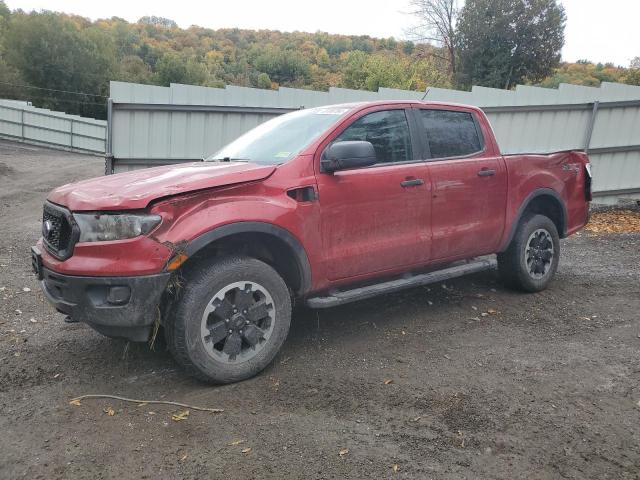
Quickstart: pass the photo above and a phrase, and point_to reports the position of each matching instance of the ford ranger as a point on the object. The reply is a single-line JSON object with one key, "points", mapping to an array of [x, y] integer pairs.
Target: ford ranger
{"points": [[322, 206]]}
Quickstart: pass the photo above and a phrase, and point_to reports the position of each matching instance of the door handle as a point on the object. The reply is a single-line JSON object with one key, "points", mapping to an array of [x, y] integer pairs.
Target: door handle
{"points": [[485, 172], [412, 183]]}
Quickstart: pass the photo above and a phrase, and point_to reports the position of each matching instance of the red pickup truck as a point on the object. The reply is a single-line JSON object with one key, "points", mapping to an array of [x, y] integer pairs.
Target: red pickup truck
{"points": [[324, 206]]}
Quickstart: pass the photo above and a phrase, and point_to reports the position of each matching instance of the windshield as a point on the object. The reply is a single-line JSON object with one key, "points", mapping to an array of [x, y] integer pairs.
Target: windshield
{"points": [[280, 139]]}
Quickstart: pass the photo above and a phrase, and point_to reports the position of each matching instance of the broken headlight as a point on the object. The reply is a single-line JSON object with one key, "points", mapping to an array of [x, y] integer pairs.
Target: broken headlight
{"points": [[97, 227]]}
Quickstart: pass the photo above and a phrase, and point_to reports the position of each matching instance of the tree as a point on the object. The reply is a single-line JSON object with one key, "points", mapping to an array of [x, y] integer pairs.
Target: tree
{"points": [[172, 68], [54, 52], [158, 21], [632, 77], [133, 69], [264, 81], [437, 26], [504, 42]]}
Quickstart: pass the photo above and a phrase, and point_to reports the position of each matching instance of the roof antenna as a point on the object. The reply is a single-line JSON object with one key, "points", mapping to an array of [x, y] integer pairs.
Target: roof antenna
{"points": [[425, 94]]}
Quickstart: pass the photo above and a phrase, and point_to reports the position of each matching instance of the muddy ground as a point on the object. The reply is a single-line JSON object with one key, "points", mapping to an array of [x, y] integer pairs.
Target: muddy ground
{"points": [[418, 384]]}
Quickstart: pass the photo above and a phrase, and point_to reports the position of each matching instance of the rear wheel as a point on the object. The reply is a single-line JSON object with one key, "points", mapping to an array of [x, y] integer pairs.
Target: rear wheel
{"points": [[531, 260], [231, 320]]}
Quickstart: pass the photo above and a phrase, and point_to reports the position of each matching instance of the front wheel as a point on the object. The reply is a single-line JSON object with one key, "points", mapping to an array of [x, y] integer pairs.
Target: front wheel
{"points": [[531, 260], [232, 318]]}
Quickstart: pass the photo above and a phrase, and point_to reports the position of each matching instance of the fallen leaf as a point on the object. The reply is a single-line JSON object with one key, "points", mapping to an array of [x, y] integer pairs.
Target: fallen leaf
{"points": [[182, 415], [18, 311], [388, 381], [585, 318], [614, 221], [26, 289], [236, 442], [416, 419], [395, 467], [343, 452], [184, 457], [56, 375], [447, 357], [109, 411], [33, 320], [75, 402], [491, 311], [246, 450]]}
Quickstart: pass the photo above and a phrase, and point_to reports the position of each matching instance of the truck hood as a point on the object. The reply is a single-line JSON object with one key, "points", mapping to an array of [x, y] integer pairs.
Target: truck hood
{"points": [[134, 190]]}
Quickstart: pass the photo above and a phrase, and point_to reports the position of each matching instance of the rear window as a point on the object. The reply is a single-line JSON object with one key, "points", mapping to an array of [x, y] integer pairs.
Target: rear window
{"points": [[450, 134]]}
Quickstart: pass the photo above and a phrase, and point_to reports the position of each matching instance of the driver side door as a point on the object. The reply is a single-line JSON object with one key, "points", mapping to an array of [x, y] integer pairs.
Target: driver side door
{"points": [[377, 218]]}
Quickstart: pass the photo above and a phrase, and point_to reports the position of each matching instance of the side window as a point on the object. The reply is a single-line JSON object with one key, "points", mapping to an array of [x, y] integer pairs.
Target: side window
{"points": [[450, 134], [387, 130]]}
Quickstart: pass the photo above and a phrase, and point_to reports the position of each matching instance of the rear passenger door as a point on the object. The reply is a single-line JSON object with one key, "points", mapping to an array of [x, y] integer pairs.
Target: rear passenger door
{"points": [[469, 186]]}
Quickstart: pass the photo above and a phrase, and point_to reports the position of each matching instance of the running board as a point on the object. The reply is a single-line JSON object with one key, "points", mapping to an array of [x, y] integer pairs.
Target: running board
{"points": [[340, 297]]}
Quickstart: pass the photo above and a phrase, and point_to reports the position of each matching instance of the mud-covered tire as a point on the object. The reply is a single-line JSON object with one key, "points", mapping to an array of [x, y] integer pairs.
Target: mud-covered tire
{"points": [[520, 265], [188, 321]]}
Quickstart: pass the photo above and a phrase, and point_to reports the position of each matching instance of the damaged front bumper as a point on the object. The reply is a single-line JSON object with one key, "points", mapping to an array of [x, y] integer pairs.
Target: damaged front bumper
{"points": [[119, 307]]}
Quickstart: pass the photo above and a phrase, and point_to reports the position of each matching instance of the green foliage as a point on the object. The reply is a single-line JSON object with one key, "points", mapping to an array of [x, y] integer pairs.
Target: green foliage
{"points": [[284, 66], [158, 21], [264, 81], [591, 74], [505, 42], [69, 53], [65, 52], [62, 53]]}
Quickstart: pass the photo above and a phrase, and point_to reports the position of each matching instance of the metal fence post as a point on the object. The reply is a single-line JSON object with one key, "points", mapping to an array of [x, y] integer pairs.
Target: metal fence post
{"points": [[22, 124], [108, 157], [71, 136], [590, 125]]}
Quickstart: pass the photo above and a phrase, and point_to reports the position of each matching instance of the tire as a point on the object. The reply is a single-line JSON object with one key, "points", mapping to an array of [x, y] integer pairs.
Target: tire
{"points": [[526, 265], [212, 291]]}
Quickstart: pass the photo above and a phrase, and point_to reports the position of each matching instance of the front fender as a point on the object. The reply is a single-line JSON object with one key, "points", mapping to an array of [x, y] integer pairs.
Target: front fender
{"points": [[192, 223]]}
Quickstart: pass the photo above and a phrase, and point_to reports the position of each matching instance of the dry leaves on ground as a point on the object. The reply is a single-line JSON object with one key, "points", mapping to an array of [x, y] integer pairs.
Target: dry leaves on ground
{"points": [[178, 416], [614, 221]]}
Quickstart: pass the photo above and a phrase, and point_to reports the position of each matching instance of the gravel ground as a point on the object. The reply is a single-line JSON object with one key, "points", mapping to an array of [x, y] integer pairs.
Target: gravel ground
{"points": [[459, 380]]}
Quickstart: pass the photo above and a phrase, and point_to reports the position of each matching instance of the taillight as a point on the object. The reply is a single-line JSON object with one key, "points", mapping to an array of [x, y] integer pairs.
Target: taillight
{"points": [[587, 182]]}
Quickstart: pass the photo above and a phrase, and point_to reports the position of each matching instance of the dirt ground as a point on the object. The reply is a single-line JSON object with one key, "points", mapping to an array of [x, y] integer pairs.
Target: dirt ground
{"points": [[459, 380]]}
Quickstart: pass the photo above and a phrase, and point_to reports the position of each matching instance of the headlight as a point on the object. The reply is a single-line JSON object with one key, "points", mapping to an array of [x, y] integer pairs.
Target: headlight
{"points": [[96, 227]]}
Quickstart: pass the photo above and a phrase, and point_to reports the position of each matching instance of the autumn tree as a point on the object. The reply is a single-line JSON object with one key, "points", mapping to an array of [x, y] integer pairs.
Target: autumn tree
{"points": [[505, 42], [56, 52], [437, 25]]}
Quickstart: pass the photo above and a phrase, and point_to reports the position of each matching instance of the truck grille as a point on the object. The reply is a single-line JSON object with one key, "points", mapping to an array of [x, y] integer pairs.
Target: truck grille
{"points": [[57, 231]]}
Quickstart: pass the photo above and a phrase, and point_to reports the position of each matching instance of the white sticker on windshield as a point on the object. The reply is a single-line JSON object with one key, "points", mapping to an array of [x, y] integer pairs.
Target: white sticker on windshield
{"points": [[331, 111]]}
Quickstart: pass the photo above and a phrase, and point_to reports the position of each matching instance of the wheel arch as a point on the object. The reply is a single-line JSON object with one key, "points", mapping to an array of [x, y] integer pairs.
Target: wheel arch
{"points": [[268, 242], [544, 201]]}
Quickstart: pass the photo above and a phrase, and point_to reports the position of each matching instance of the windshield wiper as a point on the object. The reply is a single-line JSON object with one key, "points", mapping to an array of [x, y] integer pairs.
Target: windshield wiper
{"points": [[228, 159]]}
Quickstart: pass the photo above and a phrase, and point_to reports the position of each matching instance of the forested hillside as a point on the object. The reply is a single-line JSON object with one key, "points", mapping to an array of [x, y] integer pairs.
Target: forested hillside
{"points": [[65, 62]]}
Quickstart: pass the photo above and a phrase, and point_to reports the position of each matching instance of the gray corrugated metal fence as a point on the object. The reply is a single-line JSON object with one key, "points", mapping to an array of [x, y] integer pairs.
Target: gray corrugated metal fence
{"points": [[23, 122], [153, 125]]}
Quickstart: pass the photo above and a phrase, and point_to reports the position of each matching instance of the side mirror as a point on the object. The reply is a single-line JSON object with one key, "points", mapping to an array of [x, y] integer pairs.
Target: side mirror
{"points": [[344, 155]]}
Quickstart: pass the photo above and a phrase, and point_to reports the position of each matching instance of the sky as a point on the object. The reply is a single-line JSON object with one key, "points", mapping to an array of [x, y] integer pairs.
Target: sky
{"points": [[597, 31]]}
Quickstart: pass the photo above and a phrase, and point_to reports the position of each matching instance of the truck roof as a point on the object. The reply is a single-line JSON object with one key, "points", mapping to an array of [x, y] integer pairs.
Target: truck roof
{"points": [[363, 104]]}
